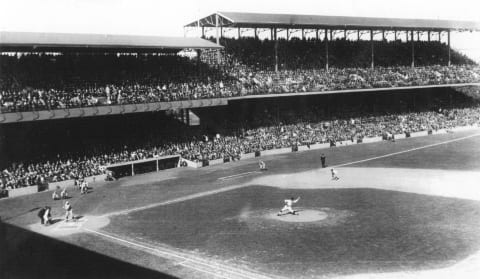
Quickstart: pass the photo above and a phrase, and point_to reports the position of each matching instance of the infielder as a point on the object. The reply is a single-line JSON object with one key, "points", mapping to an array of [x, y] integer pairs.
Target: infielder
{"points": [[288, 206], [262, 166], [334, 174]]}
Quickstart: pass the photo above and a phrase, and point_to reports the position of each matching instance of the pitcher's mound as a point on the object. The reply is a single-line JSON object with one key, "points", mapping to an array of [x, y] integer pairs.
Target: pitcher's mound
{"points": [[306, 215]]}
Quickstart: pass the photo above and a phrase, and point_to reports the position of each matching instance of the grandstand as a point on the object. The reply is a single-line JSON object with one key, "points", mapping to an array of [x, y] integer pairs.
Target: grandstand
{"points": [[151, 112]]}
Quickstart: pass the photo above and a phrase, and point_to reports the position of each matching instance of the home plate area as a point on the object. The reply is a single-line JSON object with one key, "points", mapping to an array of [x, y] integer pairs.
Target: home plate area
{"points": [[76, 224]]}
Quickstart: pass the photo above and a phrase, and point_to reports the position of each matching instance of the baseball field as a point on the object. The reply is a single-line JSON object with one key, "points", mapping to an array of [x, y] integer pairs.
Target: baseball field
{"points": [[403, 209]]}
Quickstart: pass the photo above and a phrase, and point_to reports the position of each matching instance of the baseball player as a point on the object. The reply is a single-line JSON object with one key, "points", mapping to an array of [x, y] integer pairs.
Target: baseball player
{"points": [[47, 216], [262, 165], [64, 193], [68, 211], [83, 187], [334, 174], [288, 206]]}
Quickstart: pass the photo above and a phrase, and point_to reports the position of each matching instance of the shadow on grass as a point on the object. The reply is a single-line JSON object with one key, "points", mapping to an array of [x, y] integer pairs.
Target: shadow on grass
{"points": [[25, 254]]}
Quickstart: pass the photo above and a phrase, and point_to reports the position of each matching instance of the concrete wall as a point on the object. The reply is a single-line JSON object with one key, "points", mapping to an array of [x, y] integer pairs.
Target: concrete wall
{"points": [[70, 183], [464, 128], [276, 151], [215, 162], [22, 191], [441, 131], [419, 134], [399, 136], [345, 143], [319, 146], [247, 156], [374, 139], [192, 164], [304, 148]]}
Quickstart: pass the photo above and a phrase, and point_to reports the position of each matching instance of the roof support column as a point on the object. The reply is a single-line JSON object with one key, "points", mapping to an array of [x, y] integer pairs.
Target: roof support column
{"points": [[345, 34], [203, 32], [239, 33], [303, 34], [217, 37], [449, 54], [256, 33], [276, 49], [288, 34], [326, 49], [371, 42], [383, 35], [316, 33], [358, 35], [428, 34], [395, 35], [331, 35], [413, 49]]}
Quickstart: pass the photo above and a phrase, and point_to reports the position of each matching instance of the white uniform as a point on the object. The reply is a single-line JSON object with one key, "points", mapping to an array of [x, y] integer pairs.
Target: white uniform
{"points": [[68, 211], [46, 216], [334, 174], [288, 206]]}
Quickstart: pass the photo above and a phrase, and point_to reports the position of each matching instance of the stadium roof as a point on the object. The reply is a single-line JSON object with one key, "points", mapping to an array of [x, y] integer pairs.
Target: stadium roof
{"points": [[258, 20], [16, 41]]}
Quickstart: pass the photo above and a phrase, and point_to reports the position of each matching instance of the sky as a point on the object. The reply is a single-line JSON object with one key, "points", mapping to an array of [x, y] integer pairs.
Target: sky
{"points": [[167, 18]]}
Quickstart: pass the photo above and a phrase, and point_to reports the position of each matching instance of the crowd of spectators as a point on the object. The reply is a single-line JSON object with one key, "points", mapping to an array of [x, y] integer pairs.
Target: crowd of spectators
{"points": [[45, 82], [56, 81], [310, 53], [305, 128]]}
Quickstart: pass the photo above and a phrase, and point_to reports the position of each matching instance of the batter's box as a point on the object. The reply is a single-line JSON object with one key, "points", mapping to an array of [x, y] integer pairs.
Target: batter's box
{"points": [[71, 225]]}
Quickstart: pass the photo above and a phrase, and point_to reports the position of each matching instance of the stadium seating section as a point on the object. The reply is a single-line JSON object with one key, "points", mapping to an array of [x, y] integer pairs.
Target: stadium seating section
{"points": [[51, 81]]}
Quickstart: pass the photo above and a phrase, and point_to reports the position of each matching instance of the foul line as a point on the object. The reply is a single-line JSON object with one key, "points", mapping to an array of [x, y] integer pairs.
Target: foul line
{"points": [[205, 266], [405, 151], [181, 199]]}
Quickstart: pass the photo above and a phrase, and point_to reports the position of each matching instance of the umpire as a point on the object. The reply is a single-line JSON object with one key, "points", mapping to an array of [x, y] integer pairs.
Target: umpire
{"points": [[323, 159]]}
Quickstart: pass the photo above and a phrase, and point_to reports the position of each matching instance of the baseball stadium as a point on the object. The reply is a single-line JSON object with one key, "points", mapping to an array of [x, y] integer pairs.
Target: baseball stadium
{"points": [[273, 146]]}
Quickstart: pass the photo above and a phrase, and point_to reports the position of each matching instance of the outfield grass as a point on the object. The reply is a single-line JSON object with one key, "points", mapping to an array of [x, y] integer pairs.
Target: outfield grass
{"points": [[386, 230]]}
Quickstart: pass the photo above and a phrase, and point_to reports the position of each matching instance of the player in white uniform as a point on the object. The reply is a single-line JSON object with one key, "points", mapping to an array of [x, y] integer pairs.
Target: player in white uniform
{"points": [[288, 206], [47, 216], [68, 211], [334, 174], [262, 165]]}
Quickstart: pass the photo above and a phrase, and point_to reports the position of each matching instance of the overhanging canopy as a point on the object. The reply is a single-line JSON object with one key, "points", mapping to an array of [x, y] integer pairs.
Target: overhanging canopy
{"points": [[259, 20], [16, 41]]}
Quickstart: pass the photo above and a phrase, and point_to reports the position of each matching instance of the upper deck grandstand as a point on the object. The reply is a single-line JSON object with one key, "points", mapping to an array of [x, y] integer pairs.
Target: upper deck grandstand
{"points": [[47, 72]]}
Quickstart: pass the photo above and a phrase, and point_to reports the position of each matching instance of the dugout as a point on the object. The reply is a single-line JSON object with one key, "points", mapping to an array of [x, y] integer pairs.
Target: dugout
{"points": [[143, 166]]}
